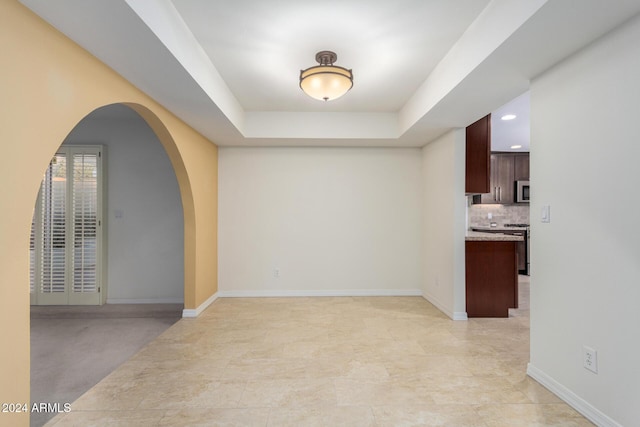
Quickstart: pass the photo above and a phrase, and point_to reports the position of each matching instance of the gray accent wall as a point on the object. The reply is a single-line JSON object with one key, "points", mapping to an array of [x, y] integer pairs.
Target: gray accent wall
{"points": [[143, 210]]}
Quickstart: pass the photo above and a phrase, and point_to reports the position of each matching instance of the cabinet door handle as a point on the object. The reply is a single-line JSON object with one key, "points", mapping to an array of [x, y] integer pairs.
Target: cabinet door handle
{"points": [[495, 194], [499, 194]]}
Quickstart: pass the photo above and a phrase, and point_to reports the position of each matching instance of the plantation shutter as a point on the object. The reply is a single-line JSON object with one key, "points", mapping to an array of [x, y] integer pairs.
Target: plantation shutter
{"points": [[53, 226], [33, 255], [65, 241], [85, 222]]}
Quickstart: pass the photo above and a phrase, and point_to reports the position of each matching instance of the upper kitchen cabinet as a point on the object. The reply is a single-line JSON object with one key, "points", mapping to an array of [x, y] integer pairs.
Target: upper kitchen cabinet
{"points": [[521, 167], [478, 152], [506, 169]]}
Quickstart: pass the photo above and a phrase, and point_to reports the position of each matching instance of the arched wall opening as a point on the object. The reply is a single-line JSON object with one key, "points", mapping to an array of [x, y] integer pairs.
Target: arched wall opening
{"points": [[122, 216], [49, 85], [186, 197], [134, 199]]}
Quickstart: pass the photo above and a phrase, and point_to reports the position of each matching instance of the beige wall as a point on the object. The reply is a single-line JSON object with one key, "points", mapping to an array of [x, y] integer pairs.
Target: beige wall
{"points": [[444, 223], [48, 85], [332, 220], [586, 261]]}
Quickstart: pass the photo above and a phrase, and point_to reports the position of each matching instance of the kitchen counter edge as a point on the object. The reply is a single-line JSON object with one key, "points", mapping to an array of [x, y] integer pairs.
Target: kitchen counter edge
{"points": [[476, 236]]}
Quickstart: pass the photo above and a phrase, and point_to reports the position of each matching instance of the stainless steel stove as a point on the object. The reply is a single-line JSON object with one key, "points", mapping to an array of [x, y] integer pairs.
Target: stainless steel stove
{"points": [[527, 240]]}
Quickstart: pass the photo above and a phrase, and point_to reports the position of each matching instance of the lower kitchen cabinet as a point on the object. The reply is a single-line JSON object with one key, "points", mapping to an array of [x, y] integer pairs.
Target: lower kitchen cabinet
{"points": [[491, 278], [522, 248]]}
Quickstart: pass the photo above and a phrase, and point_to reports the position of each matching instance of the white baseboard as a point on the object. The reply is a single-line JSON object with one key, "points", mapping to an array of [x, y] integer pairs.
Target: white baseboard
{"points": [[460, 315], [576, 402], [195, 312], [453, 315], [321, 293], [145, 301]]}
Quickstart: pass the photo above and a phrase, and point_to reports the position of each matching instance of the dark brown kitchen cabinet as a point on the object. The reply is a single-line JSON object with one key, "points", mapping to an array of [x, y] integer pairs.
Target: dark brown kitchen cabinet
{"points": [[478, 152], [502, 182], [521, 246], [491, 278], [506, 169], [521, 167]]}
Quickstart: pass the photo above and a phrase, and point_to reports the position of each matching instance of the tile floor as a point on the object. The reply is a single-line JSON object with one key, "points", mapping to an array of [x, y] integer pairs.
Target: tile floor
{"points": [[351, 361]]}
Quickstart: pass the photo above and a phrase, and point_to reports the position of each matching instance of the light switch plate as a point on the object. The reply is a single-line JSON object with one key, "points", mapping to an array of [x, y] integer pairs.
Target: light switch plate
{"points": [[545, 215]]}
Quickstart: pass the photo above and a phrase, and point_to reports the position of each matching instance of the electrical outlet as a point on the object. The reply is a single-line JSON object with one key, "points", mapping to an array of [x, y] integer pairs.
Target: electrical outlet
{"points": [[590, 359], [276, 272]]}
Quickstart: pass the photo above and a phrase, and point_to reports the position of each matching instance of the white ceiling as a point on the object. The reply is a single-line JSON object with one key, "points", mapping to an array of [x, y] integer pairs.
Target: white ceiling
{"points": [[421, 67], [259, 47], [508, 133]]}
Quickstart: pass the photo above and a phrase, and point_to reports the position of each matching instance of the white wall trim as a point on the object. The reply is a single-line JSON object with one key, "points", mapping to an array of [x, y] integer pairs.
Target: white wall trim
{"points": [[453, 315], [576, 402], [460, 315], [145, 301], [195, 312], [321, 293]]}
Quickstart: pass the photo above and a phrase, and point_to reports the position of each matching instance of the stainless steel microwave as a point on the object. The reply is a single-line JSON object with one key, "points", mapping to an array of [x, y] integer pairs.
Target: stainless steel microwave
{"points": [[522, 191]]}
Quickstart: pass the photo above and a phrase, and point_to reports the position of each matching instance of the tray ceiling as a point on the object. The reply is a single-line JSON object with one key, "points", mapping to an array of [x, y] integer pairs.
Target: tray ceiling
{"points": [[230, 69]]}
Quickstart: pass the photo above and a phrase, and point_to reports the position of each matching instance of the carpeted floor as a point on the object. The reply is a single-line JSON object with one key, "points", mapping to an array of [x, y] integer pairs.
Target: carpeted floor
{"points": [[74, 347]]}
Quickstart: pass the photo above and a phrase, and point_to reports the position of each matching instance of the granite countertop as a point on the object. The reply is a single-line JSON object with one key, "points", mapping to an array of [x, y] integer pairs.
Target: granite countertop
{"points": [[480, 236], [498, 228]]}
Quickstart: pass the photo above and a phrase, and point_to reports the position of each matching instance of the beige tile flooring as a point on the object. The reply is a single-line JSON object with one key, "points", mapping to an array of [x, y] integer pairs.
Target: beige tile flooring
{"points": [[350, 361]]}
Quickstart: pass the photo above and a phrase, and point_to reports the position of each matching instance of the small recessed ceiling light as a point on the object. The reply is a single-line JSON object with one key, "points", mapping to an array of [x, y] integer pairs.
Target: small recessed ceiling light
{"points": [[515, 147], [508, 117]]}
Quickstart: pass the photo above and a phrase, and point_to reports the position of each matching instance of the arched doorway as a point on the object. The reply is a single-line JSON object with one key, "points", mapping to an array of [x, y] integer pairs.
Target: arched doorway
{"points": [[52, 84], [123, 195], [141, 218], [141, 225]]}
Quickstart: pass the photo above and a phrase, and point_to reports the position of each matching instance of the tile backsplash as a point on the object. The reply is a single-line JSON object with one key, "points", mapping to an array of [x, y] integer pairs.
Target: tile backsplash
{"points": [[502, 214]]}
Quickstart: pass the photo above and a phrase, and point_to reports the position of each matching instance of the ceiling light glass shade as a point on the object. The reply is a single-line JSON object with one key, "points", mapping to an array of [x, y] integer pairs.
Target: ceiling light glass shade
{"points": [[326, 81]]}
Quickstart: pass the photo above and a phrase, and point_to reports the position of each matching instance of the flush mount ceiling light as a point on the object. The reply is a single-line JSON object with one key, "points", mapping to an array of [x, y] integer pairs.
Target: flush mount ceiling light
{"points": [[326, 81], [515, 147], [508, 117]]}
